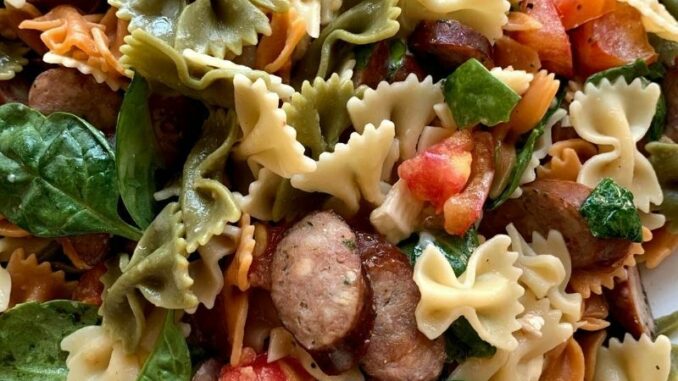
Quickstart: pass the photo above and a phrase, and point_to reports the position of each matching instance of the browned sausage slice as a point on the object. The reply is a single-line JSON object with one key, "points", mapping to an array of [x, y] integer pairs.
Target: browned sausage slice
{"points": [[629, 306], [68, 90], [670, 89], [320, 290], [14, 90], [554, 204], [450, 43], [397, 350]]}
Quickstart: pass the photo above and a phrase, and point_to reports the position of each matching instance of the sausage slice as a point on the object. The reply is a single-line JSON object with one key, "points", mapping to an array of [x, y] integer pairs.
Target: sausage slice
{"points": [[450, 43], [68, 90], [397, 351], [629, 306], [554, 204], [320, 291]]}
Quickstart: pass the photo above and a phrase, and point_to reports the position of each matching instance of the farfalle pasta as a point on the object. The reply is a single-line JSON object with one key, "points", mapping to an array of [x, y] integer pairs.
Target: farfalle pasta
{"points": [[401, 190], [408, 104], [267, 138], [490, 275], [487, 16], [615, 117], [353, 171], [633, 359]]}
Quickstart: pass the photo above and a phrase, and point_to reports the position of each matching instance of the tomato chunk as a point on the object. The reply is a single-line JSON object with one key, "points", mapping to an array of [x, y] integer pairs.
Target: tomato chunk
{"points": [[576, 12], [613, 40], [258, 370], [550, 41], [509, 52], [441, 170], [90, 288], [465, 209]]}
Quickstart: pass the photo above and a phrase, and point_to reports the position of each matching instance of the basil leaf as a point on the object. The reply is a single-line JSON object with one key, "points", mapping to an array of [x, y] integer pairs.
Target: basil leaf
{"points": [[639, 69], [523, 158], [57, 175], [170, 359], [30, 337], [610, 212], [476, 96], [135, 149]]}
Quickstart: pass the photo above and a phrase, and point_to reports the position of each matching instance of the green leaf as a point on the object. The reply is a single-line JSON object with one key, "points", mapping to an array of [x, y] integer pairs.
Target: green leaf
{"points": [[523, 158], [206, 203], [396, 56], [158, 270], [457, 250], [170, 359], [610, 213], [639, 69], [664, 160], [136, 153], [30, 335], [220, 27], [57, 175], [476, 96], [462, 342], [636, 69], [365, 23], [12, 59]]}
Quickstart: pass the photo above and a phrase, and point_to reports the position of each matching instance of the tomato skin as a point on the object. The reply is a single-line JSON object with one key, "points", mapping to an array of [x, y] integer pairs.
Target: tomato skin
{"points": [[615, 39], [576, 12], [550, 41], [463, 210], [441, 170], [89, 287], [258, 370]]}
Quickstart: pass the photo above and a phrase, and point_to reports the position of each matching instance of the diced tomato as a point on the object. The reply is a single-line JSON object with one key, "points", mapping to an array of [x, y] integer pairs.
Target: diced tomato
{"points": [[613, 40], [258, 370], [509, 52], [550, 41], [441, 170], [465, 209], [89, 286], [576, 12]]}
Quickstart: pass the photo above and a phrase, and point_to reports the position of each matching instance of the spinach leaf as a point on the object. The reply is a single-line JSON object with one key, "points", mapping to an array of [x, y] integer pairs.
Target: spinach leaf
{"points": [[135, 149], [170, 359], [57, 175], [461, 340], [457, 250], [610, 212], [667, 50], [523, 158], [396, 56], [664, 160], [636, 69], [639, 69], [30, 335], [476, 96]]}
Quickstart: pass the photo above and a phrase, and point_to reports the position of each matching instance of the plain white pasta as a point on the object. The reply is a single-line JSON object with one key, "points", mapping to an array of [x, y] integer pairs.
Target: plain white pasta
{"points": [[94, 356], [353, 169], [517, 80], [486, 16], [398, 216], [408, 104], [547, 267], [615, 117], [261, 195], [5, 288], [656, 19], [309, 11], [486, 294], [267, 139], [541, 330], [634, 360]]}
